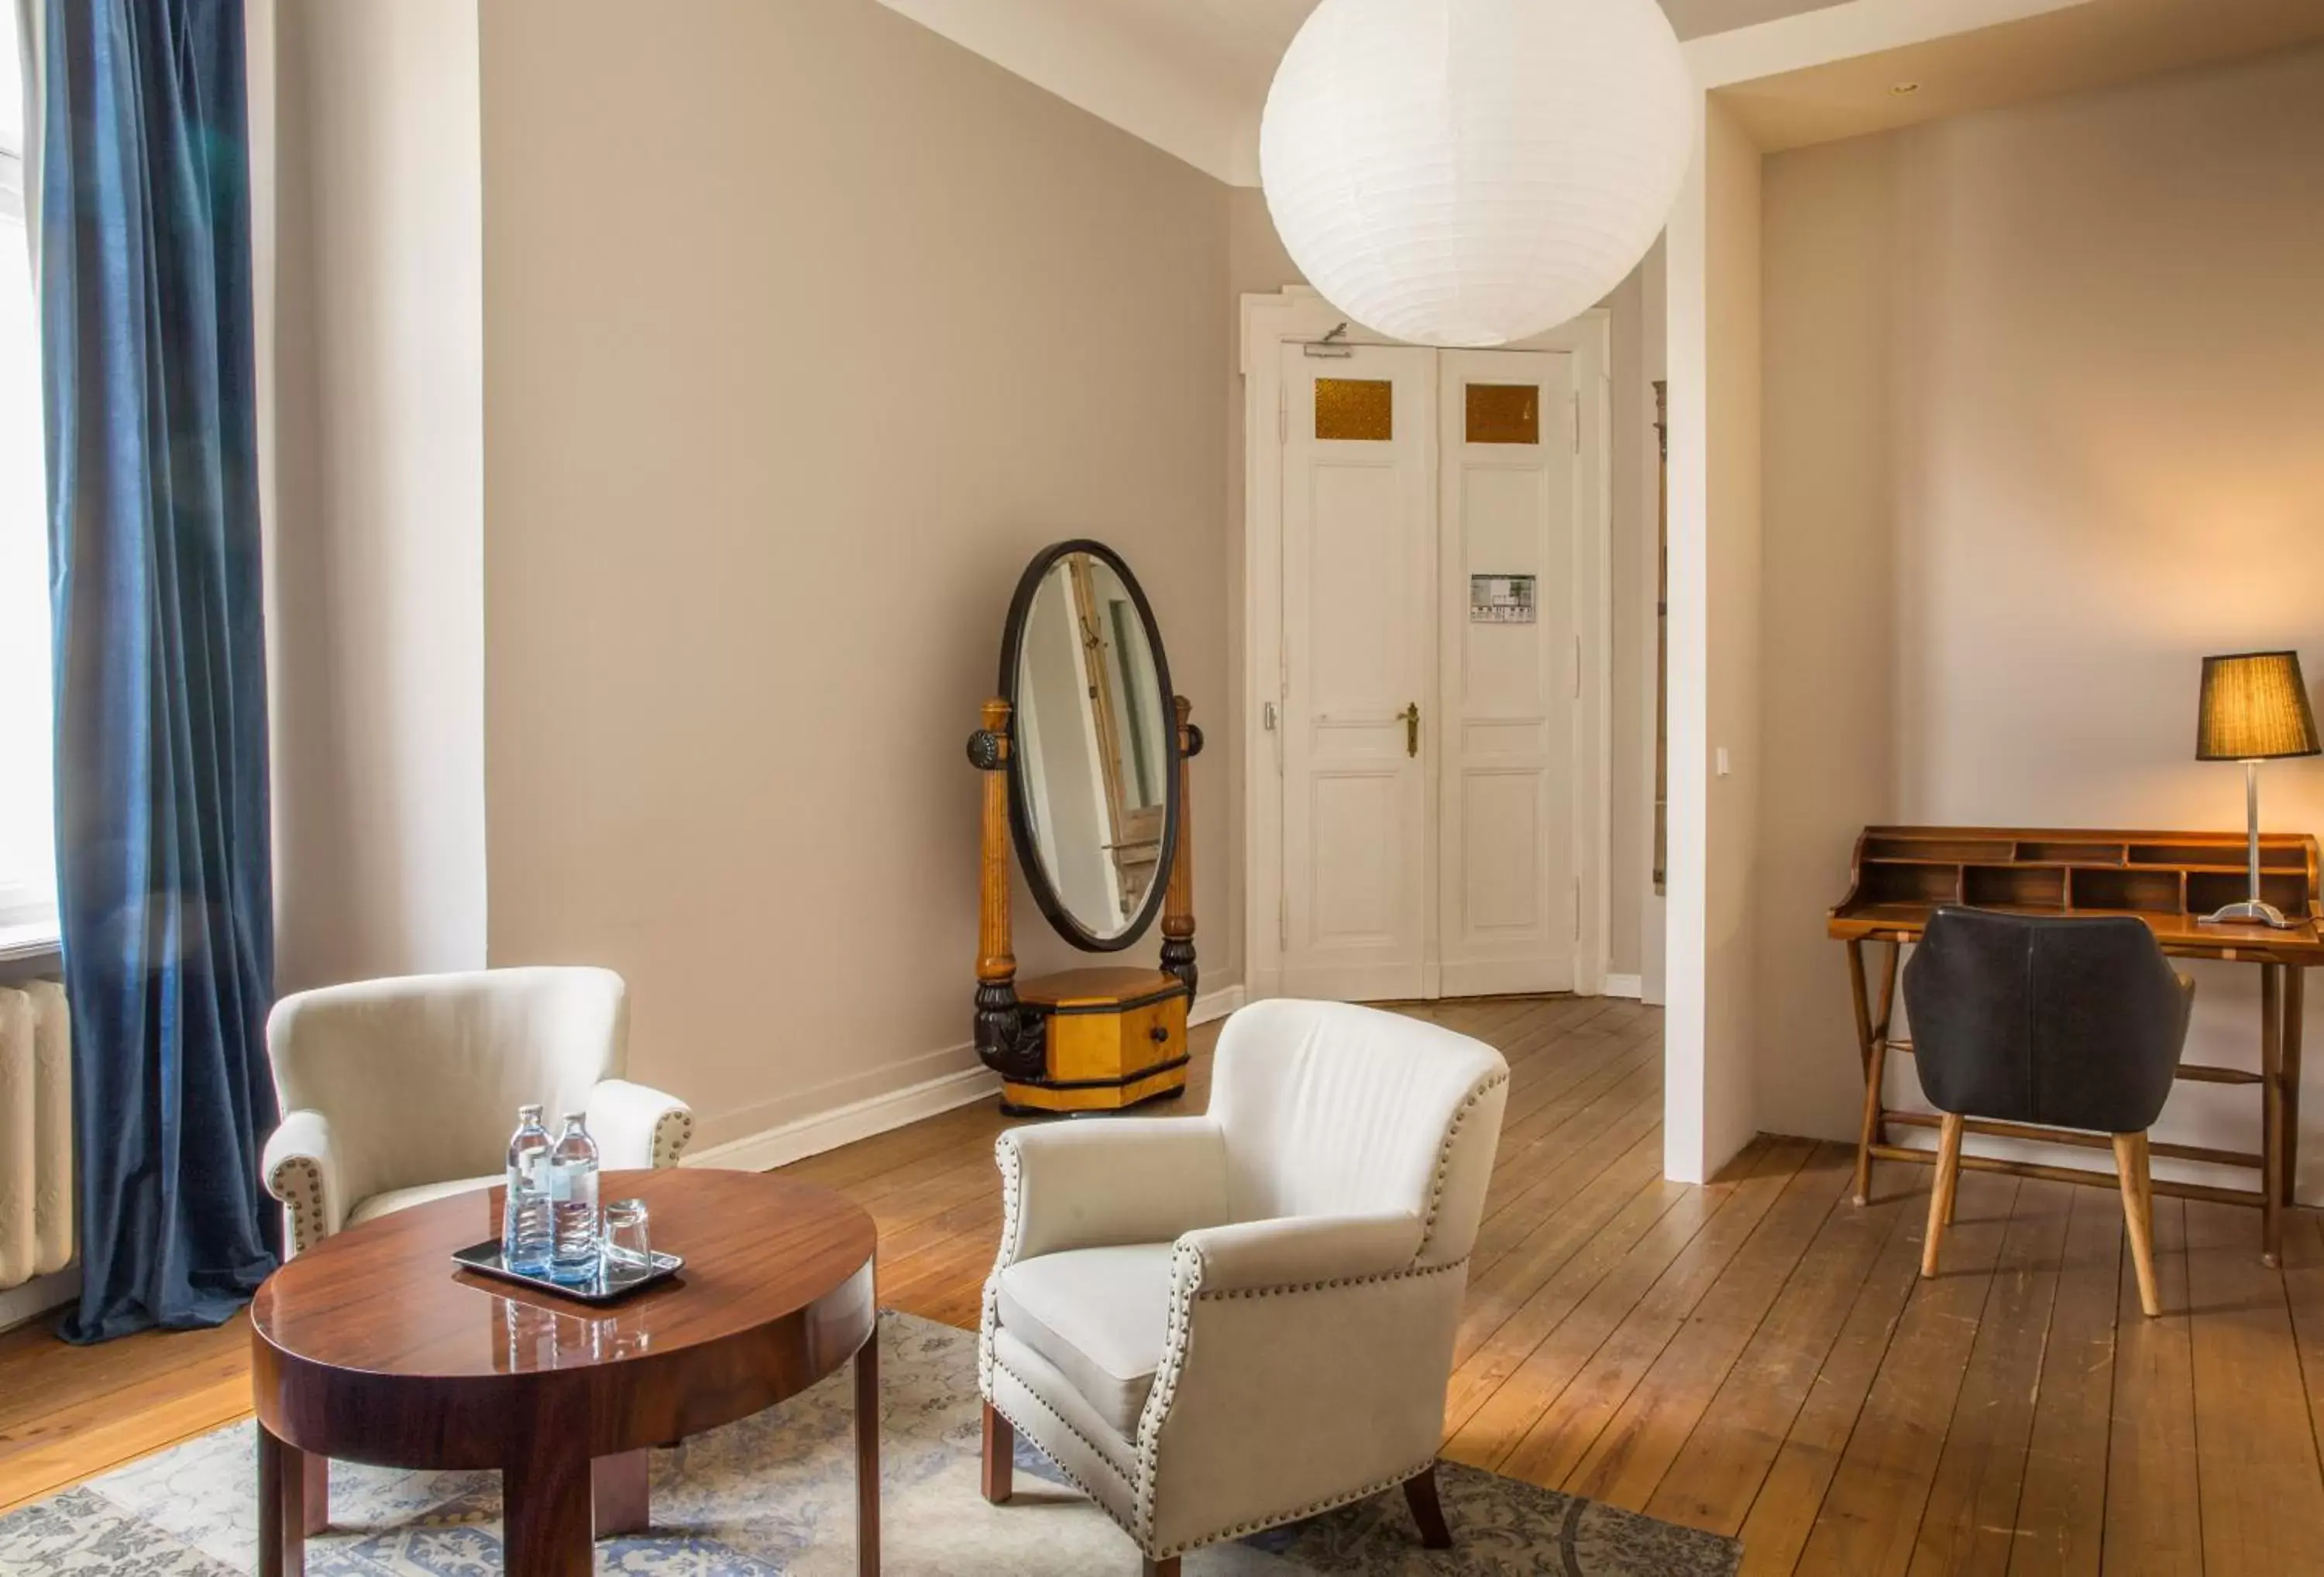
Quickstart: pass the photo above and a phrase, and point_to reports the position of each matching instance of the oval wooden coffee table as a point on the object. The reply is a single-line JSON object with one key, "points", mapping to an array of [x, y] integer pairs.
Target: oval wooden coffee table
{"points": [[374, 1347]]}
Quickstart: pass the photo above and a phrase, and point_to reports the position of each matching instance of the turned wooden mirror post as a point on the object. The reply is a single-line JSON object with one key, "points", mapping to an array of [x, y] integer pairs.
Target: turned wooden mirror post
{"points": [[1007, 1041], [1178, 904]]}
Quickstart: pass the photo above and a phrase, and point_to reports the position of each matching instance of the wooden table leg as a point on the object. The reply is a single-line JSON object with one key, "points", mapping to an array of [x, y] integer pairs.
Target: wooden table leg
{"points": [[281, 1508], [867, 1456], [1872, 1050], [2295, 1011], [317, 1490], [545, 1507], [621, 1492], [1863, 1191], [2272, 1183]]}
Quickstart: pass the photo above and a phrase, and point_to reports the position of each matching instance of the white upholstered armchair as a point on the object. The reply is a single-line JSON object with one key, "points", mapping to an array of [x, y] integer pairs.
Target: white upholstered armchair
{"points": [[397, 1091], [1216, 1324]]}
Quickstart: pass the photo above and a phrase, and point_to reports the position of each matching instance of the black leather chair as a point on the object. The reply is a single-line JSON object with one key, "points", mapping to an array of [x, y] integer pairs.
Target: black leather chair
{"points": [[2043, 1020]]}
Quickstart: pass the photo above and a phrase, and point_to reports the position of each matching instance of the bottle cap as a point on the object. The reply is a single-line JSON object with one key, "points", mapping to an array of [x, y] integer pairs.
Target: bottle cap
{"points": [[574, 1117], [532, 1111]]}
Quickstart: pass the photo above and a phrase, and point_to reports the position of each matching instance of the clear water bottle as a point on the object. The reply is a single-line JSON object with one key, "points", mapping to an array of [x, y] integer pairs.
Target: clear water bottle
{"points": [[528, 1232], [573, 1201]]}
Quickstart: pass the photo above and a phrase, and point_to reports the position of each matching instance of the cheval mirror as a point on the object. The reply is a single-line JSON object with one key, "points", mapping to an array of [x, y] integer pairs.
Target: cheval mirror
{"points": [[1084, 756]]}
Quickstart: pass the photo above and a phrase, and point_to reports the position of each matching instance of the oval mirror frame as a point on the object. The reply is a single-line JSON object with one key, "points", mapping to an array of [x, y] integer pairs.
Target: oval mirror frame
{"points": [[1021, 822]]}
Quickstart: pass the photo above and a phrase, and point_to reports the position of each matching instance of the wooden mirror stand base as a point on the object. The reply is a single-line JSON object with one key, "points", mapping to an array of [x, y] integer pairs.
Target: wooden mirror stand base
{"points": [[1111, 1037], [1086, 1039]]}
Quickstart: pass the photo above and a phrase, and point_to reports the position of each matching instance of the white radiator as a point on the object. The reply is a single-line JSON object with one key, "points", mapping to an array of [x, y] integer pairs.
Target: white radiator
{"points": [[36, 1225]]}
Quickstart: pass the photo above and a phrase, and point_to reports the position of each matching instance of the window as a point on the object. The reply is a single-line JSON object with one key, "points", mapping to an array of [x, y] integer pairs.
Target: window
{"points": [[28, 876]]}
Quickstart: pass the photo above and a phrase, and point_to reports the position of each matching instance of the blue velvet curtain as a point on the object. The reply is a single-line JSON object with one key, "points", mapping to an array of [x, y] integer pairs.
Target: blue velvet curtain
{"points": [[163, 864]]}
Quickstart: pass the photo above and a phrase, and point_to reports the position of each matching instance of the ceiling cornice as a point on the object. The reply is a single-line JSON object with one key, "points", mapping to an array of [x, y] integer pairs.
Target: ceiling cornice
{"points": [[1190, 77], [1168, 92]]}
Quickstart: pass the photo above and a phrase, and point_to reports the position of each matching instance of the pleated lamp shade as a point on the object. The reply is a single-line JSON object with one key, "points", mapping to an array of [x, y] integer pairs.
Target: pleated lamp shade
{"points": [[1469, 172], [2254, 708]]}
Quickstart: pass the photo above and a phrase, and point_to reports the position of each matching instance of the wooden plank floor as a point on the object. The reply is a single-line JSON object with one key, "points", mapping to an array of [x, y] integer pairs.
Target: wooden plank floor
{"points": [[1758, 1357]]}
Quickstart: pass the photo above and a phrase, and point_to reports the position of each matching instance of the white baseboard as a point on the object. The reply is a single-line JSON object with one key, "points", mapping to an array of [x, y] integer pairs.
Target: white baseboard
{"points": [[20, 1306], [1215, 1004], [1625, 986], [827, 1130]]}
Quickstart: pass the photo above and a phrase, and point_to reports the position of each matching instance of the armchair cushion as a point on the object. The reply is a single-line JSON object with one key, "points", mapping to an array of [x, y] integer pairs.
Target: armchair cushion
{"points": [[395, 1199], [1099, 1316]]}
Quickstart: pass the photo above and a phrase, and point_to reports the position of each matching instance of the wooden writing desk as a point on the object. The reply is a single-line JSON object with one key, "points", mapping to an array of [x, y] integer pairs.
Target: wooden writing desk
{"points": [[1901, 874]]}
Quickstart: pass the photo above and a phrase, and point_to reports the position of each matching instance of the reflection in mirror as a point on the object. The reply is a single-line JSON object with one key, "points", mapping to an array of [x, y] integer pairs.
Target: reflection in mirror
{"points": [[1091, 745]]}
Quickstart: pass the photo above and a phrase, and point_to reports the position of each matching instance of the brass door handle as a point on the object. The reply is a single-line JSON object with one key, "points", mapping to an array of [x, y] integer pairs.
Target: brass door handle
{"points": [[1412, 729]]}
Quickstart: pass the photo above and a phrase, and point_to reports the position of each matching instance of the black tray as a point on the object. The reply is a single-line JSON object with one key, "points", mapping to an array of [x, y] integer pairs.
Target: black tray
{"points": [[612, 1284]]}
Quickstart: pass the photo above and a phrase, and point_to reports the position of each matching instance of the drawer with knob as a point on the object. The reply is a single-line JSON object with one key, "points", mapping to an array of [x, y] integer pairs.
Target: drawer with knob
{"points": [[1112, 1038]]}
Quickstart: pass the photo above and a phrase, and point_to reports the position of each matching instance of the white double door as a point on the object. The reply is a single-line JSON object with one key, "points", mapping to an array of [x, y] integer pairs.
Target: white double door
{"points": [[1431, 673]]}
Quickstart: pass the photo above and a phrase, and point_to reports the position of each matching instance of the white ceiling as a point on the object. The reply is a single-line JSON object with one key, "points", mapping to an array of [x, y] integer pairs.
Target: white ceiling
{"points": [[1191, 76]]}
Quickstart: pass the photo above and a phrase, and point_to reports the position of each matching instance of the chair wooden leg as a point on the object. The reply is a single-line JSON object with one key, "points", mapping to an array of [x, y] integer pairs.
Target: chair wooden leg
{"points": [[1427, 1510], [1941, 1197], [1168, 1568], [2130, 1160], [999, 1456]]}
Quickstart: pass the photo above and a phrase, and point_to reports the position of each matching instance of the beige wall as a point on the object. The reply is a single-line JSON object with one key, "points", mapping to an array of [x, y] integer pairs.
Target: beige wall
{"points": [[1257, 265], [805, 329], [2043, 397], [376, 518]]}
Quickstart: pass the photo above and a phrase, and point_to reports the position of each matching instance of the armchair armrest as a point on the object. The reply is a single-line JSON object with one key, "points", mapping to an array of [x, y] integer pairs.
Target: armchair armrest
{"points": [[636, 1127], [301, 1171], [1127, 1180], [1302, 1251]]}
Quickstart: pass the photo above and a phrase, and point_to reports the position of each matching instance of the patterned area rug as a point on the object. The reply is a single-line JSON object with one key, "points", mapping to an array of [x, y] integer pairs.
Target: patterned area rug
{"points": [[775, 1494]]}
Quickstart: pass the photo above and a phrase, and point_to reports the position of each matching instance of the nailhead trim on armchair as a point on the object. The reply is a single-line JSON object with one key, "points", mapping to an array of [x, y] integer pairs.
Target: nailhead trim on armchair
{"points": [[1444, 1153], [297, 1182], [1004, 1155], [1186, 1290], [1095, 1448], [1070, 1476], [1411, 1273], [673, 1131], [1313, 1508]]}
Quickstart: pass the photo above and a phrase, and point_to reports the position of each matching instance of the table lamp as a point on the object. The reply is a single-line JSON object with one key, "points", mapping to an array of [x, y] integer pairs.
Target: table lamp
{"points": [[2254, 709]]}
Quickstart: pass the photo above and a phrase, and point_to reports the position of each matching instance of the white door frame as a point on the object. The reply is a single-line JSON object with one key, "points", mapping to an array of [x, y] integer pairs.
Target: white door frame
{"points": [[1299, 314]]}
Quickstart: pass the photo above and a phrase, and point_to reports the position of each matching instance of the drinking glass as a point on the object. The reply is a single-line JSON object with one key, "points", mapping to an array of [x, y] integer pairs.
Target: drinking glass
{"points": [[627, 1246]]}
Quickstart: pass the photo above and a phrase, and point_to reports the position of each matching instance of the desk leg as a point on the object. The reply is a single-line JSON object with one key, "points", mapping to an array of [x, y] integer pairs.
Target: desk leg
{"points": [[2295, 1011], [1872, 1049], [2273, 1182], [282, 1507], [867, 1455]]}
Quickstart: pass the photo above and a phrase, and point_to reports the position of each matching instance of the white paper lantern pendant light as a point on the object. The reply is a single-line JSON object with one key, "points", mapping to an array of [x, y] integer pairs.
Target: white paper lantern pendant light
{"points": [[1469, 172]]}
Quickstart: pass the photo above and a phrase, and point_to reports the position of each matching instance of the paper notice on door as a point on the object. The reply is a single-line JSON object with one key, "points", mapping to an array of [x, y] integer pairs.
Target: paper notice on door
{"points": [[1500, 599]]}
